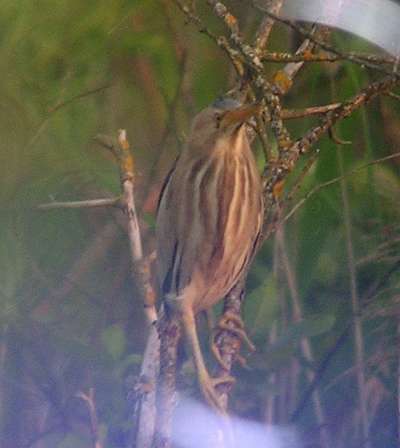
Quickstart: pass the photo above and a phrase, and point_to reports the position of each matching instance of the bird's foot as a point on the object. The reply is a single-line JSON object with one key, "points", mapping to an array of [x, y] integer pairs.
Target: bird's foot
{"points": [[234, 324], [208, 387]]}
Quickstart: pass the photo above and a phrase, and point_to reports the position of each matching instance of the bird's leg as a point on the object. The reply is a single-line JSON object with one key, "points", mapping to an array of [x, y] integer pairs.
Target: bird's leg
{"points": [[206, 382], [225, 324]]}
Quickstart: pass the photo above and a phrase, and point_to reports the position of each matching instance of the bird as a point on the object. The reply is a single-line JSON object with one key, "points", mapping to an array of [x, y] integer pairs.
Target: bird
{"points": [[209, 220]]}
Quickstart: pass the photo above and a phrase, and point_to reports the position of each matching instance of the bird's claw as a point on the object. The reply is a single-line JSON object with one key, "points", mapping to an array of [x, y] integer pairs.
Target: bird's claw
{"points": [[208, 387], [225, 324]]}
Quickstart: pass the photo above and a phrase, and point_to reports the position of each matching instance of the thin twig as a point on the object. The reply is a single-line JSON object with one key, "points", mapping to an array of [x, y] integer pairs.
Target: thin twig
{"points": [[355, 305], [381, 252], [126, 165], [283, 79], [290, 114], [145, 408], [141, 271], [299, 181], [221, 41], [305, 344], [89, 400], [393, 95], [356, 58], [62, 104], [329, 355], [267, 23], [140, 264], [307, 56], [275, 173], [256, 68], [319, 187], [90, 203]]}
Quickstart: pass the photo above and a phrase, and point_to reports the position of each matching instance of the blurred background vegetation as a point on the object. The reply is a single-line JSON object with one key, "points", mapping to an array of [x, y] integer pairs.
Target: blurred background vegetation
{"points": [[69, 317]]}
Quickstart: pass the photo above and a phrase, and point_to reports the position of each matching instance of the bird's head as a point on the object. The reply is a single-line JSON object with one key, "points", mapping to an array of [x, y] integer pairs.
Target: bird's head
{"points": [[222, 120]]}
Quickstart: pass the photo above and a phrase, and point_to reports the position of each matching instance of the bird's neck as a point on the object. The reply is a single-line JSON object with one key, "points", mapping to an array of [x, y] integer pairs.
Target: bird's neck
{"points": [[234, 143]]}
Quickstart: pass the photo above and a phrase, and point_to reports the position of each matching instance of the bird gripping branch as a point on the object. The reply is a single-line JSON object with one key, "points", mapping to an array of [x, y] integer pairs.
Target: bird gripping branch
{"points": [[209, 219]]}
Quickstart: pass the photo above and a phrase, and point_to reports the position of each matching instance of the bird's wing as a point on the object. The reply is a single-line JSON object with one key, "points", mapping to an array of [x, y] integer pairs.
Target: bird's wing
{"points": [[166, 181], [166, 236]]}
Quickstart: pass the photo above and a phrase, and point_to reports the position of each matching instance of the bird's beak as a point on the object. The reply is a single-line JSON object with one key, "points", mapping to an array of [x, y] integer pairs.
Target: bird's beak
{"points": [[239, 115]]}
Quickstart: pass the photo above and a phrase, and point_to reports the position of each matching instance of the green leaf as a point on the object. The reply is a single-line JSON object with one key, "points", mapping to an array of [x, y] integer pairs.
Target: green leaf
{"points": [[262, 304], [312, 326], [131, 360], [113, 339]]}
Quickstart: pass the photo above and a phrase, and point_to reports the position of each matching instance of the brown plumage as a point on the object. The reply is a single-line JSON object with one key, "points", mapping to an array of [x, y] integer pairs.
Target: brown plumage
{"points": [[209, 218]]}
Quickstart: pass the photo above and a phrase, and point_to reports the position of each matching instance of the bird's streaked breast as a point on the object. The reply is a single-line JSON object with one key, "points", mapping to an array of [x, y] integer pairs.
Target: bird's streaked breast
{"points": [[208, 220]]}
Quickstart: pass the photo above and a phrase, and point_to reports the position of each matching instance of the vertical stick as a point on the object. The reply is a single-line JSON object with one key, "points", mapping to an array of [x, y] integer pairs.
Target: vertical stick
{"points": [[305, 344], [228, 343], [267, 23], [169, 331], [89, 399], [145, 399], [355, 305], [140, 265], [145, 406]]}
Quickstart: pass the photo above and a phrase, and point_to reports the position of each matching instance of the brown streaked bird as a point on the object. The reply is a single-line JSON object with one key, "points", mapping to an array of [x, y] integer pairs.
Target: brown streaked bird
{"points": [[208, 221]]}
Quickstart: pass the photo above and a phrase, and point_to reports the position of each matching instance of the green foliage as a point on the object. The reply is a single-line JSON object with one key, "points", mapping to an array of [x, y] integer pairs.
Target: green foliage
{"points": [[262, 304], [113, 339], [307, 328]]}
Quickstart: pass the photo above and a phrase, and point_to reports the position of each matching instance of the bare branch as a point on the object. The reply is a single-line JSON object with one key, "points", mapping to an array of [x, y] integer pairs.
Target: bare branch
{"points": [[145, 405], [169, 330], [228, 343], [306, 56], [140, 264], [356, 58], [94, 423], [221, 41], [283, 79], [91, 203], [254, 64], [62, 104], [290, 114], [144, 394], [267, 23], [276, 173]]}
